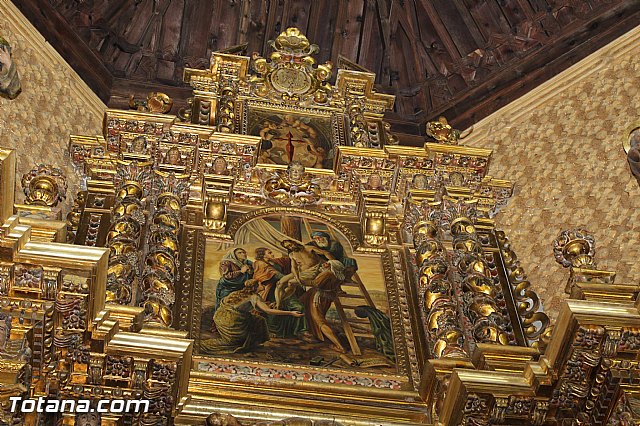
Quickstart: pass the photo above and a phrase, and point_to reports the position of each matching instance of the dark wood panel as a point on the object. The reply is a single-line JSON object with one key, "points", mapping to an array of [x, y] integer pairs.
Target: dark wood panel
{"points": [[460, 34], [322, 27], [297, 15], [348, 30], [69, 44], [500, 90], [253, 30], [369, 56], [513, 12]]}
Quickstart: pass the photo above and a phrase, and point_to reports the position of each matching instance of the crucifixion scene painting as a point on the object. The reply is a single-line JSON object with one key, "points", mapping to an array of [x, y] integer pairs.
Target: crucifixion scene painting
{"points": [[289, 289], [288, 137]]}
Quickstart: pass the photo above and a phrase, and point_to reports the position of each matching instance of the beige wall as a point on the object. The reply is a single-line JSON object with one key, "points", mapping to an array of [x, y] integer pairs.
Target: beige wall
{"points": [[54, 102], [562, 146]]}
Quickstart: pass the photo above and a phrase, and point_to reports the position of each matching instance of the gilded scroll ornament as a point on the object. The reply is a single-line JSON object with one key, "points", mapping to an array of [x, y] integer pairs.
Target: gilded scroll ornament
{"points": [[290, 74]]}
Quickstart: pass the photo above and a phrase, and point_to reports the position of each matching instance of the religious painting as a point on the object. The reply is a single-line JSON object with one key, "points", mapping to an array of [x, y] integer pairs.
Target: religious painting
{"points": [[288, 137], [291, 290], [9, 80]]}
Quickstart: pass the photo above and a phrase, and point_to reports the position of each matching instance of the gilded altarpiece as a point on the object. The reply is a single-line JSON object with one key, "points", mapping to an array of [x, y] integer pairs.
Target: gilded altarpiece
{"points": [[271, 252], [276, 220]]}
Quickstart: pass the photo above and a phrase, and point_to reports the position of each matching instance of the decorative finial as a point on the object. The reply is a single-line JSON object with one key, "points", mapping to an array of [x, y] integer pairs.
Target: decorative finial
{"points": [[292, 41], [44, 185], [156, 102], [575, 248], [442, 132]]}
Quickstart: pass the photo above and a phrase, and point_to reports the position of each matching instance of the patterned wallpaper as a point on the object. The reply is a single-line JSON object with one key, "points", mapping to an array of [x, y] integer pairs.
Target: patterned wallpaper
{"points": [[54, 102], [562, 146]]}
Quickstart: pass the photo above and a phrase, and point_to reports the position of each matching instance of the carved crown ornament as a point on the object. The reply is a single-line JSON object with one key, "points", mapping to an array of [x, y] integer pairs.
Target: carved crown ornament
{"points": [[290, 74], [271, 256]]}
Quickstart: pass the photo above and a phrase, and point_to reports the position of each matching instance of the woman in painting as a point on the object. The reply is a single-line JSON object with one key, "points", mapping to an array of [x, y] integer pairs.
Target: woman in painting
{"points": [[318, 299], [239, 323], [235, 270]]}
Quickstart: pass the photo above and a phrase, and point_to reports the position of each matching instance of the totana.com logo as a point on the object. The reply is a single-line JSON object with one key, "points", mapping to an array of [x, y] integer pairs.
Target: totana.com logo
{"points": [[42, 405]]}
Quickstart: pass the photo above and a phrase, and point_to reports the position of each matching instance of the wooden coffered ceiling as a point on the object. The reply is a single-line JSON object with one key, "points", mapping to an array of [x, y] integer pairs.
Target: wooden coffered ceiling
{"points": [[460, 58]]}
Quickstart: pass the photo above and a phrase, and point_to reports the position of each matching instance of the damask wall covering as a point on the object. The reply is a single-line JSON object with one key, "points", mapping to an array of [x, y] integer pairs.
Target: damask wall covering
{"points": [[562, 145], [54, 101]]}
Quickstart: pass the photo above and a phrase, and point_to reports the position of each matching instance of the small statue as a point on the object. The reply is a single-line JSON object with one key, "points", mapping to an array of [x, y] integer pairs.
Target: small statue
{"points": [[219, 167], [442, 132], [633, 154], [9, 80], [295, 188], [173, 157], [374, 183], [139, 145], [456, 179], [420, 182], [157, 102]]}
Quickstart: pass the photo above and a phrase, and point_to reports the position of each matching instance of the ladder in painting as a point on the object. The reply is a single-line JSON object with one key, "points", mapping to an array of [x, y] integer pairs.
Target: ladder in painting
{"points": [[353, 294]]}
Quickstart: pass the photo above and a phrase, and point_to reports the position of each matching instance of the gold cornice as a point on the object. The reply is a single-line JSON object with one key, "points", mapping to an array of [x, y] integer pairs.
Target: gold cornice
{"points": [[140, 115], [457, 149], [463, 383], [577, 313]]}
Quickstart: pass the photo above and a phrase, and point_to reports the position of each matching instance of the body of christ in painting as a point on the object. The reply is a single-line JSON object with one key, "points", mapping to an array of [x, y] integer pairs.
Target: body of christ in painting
{"points": [[291, 290], [287, 138]]}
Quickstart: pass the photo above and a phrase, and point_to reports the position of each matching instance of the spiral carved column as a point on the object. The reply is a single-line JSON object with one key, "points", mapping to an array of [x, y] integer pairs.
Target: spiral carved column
{"points": [[446, 337]]}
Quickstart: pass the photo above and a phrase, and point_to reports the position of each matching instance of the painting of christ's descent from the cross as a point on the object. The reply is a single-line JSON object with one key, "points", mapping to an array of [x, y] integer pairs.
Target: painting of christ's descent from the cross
{"points": [[290, 290], [287, 138]]}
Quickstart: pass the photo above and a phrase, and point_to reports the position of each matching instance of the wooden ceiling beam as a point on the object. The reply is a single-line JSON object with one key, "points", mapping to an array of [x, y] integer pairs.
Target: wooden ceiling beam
{"points": [[518, 79], [69, 45]]}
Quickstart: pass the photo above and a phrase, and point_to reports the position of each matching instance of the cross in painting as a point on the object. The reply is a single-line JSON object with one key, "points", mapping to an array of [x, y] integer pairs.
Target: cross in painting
{"points": [[290, 148]]}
